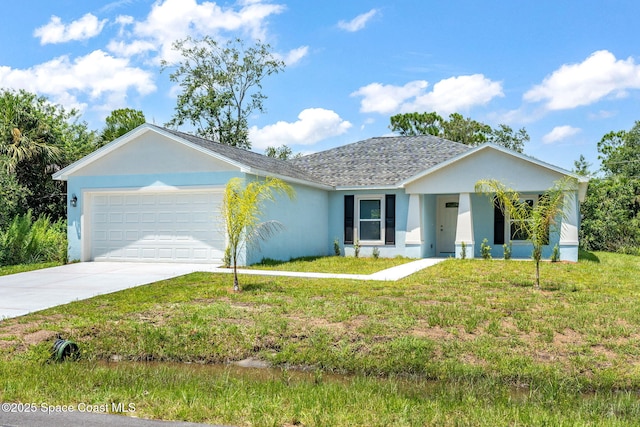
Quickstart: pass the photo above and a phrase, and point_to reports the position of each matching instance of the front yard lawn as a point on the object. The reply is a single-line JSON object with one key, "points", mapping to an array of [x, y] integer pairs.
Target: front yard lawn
{"points": [[466, 342], [335, 264]]}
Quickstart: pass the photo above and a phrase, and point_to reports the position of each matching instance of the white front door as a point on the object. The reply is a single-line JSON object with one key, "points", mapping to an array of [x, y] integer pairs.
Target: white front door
{"points": [[447, 220]]}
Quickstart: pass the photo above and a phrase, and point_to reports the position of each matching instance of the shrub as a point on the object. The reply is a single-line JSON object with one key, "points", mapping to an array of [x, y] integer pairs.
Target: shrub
{"points": [[485, 249], [463, 250], [376, 253], [507, 250], [336, 247], [356, 248], [555, 255], [27, 242]]}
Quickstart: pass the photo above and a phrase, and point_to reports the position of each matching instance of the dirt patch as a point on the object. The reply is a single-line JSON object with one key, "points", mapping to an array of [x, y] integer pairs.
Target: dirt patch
{"points": [[19, 336], [435, 333], [568, 337]]}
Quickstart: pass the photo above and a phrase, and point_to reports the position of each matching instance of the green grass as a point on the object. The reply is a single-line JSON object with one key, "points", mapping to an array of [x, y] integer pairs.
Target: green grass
{"points": [[466, 342], [21, 268], [342, 265]]}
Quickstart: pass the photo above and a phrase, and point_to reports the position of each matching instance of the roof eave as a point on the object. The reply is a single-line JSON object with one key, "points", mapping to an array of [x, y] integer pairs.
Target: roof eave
{"points": [[366, 187]]}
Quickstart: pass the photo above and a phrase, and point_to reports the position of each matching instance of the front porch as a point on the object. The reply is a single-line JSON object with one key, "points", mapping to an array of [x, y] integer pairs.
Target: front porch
{"points": [[442, 224]]}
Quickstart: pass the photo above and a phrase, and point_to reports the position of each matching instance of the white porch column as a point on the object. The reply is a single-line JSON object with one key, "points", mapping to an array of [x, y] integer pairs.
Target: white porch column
{"points": [[464, 228], [414, 230], [569, 228]]}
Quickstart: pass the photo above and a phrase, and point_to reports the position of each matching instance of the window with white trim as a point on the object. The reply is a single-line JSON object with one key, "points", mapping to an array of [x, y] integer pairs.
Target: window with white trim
{"points": [[516, 233], [370, 217]]}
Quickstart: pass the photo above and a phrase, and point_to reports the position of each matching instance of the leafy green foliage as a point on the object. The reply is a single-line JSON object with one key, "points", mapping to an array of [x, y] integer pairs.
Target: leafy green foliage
{"points": [[221, 87], [37, 138], [611, 211], [458, 128], [283, 152], [611, 215], [581, 166], [242, 207], [485, 249], [506, 250], [26, 241], [119, 122]]}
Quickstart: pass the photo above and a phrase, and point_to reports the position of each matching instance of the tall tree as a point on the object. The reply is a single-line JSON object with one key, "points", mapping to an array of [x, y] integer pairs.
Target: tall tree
{"points": [[533, 222], [620, 152], [611, 211], [284, 152], [506, 137], [38, 138], [581, 166], [119, 122], [465, 130], [242, 207], [221, 87], [411, 124], [458, 128]]}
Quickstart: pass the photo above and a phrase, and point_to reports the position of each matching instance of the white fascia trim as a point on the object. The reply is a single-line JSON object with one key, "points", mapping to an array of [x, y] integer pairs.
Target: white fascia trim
{"points": [[367, 187], [488, 145]]}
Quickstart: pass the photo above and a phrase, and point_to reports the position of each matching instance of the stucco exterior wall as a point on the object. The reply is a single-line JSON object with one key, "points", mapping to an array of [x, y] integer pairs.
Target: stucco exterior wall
{"points": [[305, 226]]}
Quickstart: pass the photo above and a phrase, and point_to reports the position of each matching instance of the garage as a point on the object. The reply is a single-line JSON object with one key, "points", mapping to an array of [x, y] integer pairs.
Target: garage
{"points": [[176, 225]]}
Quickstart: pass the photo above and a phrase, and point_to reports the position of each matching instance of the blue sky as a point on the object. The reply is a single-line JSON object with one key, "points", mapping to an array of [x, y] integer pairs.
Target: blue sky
{"points": [[568, 71]]}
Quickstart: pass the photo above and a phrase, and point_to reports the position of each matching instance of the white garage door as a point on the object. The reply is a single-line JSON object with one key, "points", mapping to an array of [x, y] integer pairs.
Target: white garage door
{"points": [[171, 226]]}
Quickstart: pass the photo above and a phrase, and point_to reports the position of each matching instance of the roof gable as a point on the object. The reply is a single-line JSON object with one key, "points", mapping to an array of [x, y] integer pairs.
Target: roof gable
{"points": [[488, 161], [134, 153]]}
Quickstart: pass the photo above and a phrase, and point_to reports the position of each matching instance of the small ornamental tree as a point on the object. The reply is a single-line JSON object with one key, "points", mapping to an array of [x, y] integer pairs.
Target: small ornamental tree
{"points": [[533, 222], [242, 209]]}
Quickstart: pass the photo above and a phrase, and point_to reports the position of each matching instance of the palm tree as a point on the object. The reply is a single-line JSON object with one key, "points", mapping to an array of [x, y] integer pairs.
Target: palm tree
{"points": [[23, 131], [242, 209], [533, 222]]}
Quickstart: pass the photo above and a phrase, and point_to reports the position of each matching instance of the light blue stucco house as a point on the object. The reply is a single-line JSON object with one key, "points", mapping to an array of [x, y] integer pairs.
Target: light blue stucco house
{"points": [[153, 195]]}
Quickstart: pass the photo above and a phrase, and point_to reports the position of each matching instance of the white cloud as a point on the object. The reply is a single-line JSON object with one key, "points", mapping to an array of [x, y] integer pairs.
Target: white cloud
{"points": [[386, 99], [359, 22], [313, 125], [97, 77], [457, 93], [448, 95], [171, 20], [559, 133], [294, 56], [574, 85], [56, 32]]}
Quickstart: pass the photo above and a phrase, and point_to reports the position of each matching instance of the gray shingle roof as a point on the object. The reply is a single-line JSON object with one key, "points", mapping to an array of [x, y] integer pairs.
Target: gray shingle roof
{"points": [[382, 161], [248, 158], [379, 161]]}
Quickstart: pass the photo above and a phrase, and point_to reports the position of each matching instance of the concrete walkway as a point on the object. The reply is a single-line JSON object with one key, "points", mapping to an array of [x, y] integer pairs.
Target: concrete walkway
{"points": [[36, 290], [391, 274]]}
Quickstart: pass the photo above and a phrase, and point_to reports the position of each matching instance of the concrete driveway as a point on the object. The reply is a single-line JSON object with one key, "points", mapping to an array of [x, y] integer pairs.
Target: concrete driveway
{"points": [[24, 293]]}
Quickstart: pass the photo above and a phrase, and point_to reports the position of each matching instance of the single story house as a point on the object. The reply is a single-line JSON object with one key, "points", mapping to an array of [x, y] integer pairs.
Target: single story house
{"points": [[153, 195]]}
